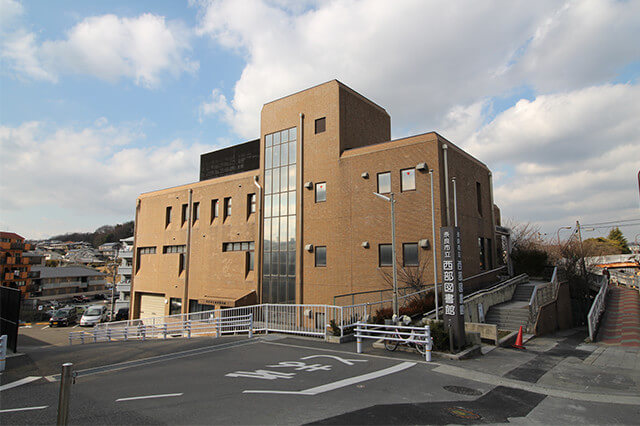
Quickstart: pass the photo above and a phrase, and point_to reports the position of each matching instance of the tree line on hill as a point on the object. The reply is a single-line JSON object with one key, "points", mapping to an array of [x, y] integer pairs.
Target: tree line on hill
{"points": [[104, 234]]}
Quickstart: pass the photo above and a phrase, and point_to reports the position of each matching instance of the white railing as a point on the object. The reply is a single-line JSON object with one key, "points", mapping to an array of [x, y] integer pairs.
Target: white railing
{"points": [[541, 295], [187, 328], [395, 333], [597, 308]]}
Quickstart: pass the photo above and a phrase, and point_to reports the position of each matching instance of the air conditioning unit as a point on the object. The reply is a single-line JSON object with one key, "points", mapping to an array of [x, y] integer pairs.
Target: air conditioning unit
{"points": [[422, 167], [309, 248], [308, 185], [424, 243]]}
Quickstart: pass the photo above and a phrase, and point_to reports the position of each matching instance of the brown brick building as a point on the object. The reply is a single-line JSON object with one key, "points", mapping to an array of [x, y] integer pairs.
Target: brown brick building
{"points": [[14, 266], [292, 217]]}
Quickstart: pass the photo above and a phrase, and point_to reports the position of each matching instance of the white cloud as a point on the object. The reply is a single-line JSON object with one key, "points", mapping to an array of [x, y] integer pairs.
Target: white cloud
{"points": [[143, 49], [88, 171], [418, 59], [11, 11], [573, 154], [218, 105]]}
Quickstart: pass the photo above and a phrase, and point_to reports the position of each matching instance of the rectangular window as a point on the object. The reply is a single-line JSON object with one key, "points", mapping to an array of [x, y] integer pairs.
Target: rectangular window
{"points": [[408, 180], [479, 197], [181, 259], [167, 219], [385, 255], [410, 254], [321, 256], [483, 265], [384, 182], [321, 125], [250, 257], [238, 246], [196, 211], [251, 202], [489, 254], [227, 208], [321, 192], [185, 210], [214, 209], [141, 251], [175, 306], [173, 249]]}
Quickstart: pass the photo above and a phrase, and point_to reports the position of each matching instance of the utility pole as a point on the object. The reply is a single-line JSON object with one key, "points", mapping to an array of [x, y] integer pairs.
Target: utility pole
{"points": [[116, 249], [584, 267]]}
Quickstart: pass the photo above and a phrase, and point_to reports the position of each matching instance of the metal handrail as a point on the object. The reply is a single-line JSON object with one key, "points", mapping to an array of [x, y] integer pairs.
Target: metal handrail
{"points": [[419, 335], [597, 308]]}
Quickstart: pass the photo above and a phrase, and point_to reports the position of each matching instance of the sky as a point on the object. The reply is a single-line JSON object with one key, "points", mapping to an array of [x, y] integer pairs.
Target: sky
{"points": [[103, 100]]}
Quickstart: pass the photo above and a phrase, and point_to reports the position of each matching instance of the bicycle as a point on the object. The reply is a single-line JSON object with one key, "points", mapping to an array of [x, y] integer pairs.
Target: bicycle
{"points": [[412, 340]]}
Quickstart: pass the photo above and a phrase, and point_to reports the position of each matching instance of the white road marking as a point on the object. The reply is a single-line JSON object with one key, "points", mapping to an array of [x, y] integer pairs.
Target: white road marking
{"points": [[42, 407], [45, 327], [133, 398], [341, 383], [76, 326], [337, 358], [20, 382]]}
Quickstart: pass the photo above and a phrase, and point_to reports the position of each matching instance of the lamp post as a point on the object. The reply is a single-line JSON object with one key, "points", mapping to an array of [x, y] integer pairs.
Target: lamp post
{"points": [[433, 248], [562, 227], [391, 200]]}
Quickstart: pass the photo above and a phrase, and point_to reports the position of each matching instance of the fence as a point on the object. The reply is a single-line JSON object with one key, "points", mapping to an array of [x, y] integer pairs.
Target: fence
{"points": [[187, 328], [541, 295], [420, 337], [626, 279], [597, 308]]}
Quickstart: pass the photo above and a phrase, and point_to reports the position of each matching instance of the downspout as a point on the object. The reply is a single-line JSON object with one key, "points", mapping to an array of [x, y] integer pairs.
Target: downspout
{"points": [[134, 263], [493, 221], [299, 191], [258, 245], [446, 183], [187, 255]]}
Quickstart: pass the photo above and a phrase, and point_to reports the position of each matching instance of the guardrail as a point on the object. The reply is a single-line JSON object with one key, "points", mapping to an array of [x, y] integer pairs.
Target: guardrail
{"points": [[395, 333], [541, 295], [597, 308], [626, 279], [187, 328]]}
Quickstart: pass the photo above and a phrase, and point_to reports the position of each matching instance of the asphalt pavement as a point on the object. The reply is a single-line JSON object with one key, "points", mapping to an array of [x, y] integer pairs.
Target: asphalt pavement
{"points": [[273, 379]]}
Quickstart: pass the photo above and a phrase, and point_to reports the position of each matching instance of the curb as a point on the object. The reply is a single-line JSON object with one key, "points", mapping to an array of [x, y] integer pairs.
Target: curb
{"points": [[23, 324]]}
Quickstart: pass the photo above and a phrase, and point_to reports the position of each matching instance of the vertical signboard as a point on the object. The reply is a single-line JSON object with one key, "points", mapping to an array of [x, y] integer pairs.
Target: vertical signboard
{"points": [[452, 289]]}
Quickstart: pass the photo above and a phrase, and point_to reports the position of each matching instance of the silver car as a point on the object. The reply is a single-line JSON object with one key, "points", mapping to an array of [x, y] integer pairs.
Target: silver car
{"points": [[93, 315]]}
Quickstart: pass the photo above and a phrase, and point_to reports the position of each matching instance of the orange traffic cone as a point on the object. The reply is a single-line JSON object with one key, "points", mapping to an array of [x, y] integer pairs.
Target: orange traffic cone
{"points": [[518, 344]]}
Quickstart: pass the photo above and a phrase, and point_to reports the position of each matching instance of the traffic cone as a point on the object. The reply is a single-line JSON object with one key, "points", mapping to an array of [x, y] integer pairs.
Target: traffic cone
{"points": [[518, 344]]}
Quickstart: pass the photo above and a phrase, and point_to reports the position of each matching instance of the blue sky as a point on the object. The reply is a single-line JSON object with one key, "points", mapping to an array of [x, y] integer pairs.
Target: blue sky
{"points": [[104, 100]]}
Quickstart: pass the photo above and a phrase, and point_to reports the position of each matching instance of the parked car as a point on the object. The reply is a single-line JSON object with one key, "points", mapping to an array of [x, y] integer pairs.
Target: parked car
{"points": [[122, 314], [64, 316], [80, 299], [93, 315], [100, 296]]}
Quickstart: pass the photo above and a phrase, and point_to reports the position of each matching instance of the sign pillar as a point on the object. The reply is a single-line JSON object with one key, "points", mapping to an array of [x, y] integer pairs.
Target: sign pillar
{"points": [[452, 291]]}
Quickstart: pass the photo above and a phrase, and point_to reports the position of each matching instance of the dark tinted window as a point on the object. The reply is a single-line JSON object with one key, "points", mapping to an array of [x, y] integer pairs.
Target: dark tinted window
{"points": [[385, 255], [321, 125], [410, 254], [321, 256]]}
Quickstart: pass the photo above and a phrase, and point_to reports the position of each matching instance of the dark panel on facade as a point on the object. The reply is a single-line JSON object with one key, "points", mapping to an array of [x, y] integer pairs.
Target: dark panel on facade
{"points": [[228, 161]]}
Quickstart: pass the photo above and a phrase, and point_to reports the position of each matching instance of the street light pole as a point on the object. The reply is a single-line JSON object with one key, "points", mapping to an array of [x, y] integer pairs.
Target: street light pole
{"points": [[433, 248], [393, 249], [562, 227]]}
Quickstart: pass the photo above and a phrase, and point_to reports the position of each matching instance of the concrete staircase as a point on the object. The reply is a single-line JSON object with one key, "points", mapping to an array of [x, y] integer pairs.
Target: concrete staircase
{"points": [[515, 313]]}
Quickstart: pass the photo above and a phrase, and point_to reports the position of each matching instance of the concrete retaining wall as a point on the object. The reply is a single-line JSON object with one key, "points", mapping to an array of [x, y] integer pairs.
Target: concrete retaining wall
{"points": [[486, 331], [555, 315]]}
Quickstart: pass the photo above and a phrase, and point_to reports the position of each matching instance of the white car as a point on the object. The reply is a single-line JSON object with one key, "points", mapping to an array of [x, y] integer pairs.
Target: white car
{"points": [[93, 315]]}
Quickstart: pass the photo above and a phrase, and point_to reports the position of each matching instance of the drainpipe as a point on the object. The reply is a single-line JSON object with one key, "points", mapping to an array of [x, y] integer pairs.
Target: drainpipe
{"points": [[187, 256], [446, 183], [258, 245], [455, 202], [134, 264], [493, 219], [299, 192]]}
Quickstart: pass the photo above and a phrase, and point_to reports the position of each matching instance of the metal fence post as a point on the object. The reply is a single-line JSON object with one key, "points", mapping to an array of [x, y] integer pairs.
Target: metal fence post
{"points": [[82, 338], [429, 343], [188, 324], [266, 319], [359, 338], [219, 334], [250, 326], [3, 351], [144, 332], [108, 334], [63, 397], [341, 322], [95, 336], [70, 343], [164, 331], [125, 332]]}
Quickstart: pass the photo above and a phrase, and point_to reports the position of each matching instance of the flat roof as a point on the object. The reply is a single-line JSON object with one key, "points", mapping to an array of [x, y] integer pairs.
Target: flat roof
{"points": [[66, 271]]}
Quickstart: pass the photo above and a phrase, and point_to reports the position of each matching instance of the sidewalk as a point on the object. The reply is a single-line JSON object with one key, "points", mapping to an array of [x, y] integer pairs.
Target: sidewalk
{"points": [[564, 362]]}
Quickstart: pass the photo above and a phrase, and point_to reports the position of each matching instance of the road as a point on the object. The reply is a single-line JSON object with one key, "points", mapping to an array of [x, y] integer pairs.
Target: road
{"points": [[281, 380]]}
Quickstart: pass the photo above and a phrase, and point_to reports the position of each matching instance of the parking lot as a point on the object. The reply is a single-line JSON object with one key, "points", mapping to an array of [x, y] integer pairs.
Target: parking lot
{"points": [[269, 379]]}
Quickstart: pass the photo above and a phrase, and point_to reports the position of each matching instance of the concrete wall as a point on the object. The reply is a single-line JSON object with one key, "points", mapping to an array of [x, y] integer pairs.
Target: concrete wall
{"points": [[555, 315]]}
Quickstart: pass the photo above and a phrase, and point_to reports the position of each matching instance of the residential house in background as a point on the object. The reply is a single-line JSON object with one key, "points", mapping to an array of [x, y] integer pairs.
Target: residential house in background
{"points": [[123, 287], [15, 268], [68, 281]]}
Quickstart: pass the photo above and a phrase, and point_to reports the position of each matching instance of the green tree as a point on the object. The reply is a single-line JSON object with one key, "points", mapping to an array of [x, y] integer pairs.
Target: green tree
{"points": [[617, 238]]}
